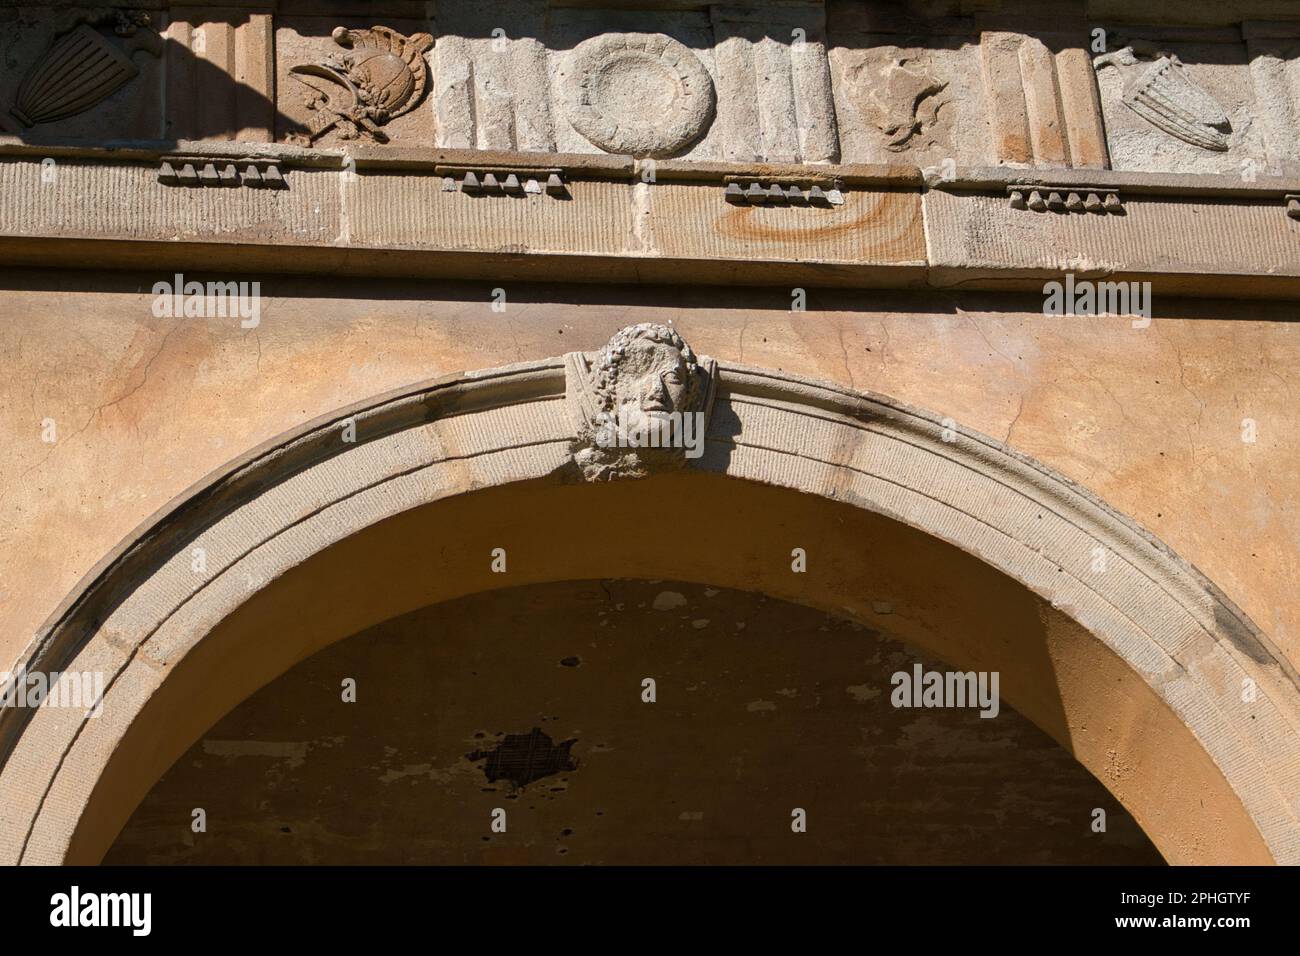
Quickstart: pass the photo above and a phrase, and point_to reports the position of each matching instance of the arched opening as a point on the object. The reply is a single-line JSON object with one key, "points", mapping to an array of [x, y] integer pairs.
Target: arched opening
{"points": [[977, 557], [533, 700]]}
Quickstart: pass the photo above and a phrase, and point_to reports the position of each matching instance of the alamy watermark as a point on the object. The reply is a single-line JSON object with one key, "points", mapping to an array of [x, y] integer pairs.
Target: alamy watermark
{"points": [[75, 908], [83, 690], [632, 425], [1086, 297], [922, 688], [213, 300]]}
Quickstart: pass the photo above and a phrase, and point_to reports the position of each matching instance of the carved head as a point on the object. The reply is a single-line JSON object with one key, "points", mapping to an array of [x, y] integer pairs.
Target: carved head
{"points": [[647, 370], [645, 407]]}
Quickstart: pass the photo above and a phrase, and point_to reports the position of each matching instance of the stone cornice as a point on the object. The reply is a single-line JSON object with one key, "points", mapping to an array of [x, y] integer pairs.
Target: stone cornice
{"points": [[621, 168], [402, 212]]}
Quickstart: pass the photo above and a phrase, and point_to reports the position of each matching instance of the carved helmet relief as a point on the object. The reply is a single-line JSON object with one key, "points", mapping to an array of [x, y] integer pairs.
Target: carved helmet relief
{"points": [[1166, 97], [644, 94], [379, 76], [640, 404]]}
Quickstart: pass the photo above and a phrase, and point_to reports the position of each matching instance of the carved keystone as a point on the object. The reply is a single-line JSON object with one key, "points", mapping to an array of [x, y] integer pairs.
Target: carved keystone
{"points": [[640, 405]]}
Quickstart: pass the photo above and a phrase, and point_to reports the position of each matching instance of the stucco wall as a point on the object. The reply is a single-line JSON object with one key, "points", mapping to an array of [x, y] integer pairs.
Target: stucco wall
{"points": [[1149, 419]]}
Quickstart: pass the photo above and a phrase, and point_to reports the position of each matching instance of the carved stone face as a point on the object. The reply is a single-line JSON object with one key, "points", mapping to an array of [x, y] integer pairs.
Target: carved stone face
{"points": [[639, 404], [653, 381]]}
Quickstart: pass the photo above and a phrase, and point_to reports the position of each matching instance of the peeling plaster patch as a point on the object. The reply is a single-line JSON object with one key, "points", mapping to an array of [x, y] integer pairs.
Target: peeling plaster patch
{"points": [[416, 770], [293, 751], [1117, 767], [523, 758], [691, 815], [788, 692], [667, 600], [711, 592], [700, 623], [861, 692], [760, 705]]}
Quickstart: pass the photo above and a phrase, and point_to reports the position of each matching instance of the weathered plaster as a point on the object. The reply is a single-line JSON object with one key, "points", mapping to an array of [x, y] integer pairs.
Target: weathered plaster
{"points": [[1148, 419], [758, 703], [285, 516]]}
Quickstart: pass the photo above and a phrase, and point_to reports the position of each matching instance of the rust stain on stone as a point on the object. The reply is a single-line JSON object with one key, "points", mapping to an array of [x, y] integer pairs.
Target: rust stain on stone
{"points": [[890, 219]]}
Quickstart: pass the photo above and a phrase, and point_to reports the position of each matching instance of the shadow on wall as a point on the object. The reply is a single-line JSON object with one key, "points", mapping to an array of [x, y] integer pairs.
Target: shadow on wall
{"points": [[541, 657], [756, 707], [117, 78], [717, 303]]}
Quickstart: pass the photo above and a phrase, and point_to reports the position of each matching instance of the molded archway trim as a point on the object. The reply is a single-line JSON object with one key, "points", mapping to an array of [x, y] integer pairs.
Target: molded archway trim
{"points": [[145, 608]]}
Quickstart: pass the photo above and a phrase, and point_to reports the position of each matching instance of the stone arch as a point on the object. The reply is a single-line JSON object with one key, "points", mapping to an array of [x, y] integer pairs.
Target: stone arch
{"points": [[288, 529]]}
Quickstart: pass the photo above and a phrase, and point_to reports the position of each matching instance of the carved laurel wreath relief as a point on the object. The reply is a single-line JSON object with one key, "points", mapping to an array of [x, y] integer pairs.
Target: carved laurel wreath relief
{"points": [[637, 93]]}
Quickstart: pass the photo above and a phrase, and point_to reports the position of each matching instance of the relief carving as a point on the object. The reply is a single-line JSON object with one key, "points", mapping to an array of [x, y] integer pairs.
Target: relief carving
{"points": [[83, 68], [516, 181], [379, 76], [253, 172], [902, 101], [741, 191], [640, 404], [1166, 97], [1049, 198], [644, 94]]}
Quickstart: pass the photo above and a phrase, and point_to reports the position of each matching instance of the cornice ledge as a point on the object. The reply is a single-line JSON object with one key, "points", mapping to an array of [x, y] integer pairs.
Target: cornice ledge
{"points": [[1265, 185]]}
